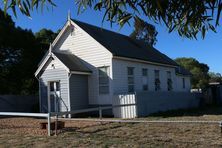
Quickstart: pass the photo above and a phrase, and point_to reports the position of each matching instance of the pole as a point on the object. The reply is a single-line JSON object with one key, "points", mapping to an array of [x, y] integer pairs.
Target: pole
{"points": [[57, 110], [56, 124], [49, 125], [100, 112]]}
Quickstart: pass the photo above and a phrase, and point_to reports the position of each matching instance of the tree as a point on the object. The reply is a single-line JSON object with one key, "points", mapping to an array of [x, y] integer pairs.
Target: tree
{"points": [[144, 31], [20, 53], [187, 17], [215, 77], [200, 78], [44, 37]]}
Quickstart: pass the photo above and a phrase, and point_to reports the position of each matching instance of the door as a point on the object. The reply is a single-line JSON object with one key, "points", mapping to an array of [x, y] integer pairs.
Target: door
{"points": [[54, 96], [79, 92]]}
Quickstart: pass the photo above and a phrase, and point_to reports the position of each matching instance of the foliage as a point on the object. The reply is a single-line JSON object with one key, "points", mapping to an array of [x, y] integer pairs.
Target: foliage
{"points": [[25, 5], [187, 17], [200, 78], [20, 53], [215, 77], [144, 31], [45, 37]]}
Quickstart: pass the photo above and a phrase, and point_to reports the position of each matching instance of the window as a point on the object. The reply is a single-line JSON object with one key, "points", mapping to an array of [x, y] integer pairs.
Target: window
{"points": [[54, 86], [103, 80], [54, 95], [169, 81], [183, 82], [145, 79], [130, 72], [157, 80]]}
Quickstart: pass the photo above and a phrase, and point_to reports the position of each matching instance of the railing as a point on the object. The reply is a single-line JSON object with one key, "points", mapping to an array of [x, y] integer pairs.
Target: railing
{"points": [[99, 109], [61, 101], [56, 114], [46, 115]]}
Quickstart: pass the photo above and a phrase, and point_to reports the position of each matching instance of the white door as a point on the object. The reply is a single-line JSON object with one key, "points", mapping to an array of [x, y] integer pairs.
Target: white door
{"points": [[54, 96]]}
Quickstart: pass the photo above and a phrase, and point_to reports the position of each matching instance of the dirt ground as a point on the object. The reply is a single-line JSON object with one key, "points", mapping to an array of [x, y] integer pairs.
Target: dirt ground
{"points": [[25, 132]]}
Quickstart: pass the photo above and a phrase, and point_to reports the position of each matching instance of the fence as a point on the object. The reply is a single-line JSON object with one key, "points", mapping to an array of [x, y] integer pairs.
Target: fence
{"points": [[129, 111], [151, 102], [15, 103]]}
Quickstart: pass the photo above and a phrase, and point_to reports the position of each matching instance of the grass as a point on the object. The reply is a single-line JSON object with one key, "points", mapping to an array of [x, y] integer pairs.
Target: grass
{"points": [[90, 134], [206, 110]]}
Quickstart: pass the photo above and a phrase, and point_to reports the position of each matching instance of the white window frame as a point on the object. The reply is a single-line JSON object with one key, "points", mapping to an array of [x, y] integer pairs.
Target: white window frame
{"points": [[102, 76], [145, 77], [55, 93], [183, 83], [131, 76], [157, 77], [169, 79]]}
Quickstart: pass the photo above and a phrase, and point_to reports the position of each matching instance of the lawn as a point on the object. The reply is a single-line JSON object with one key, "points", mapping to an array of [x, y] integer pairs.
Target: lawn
{"points": [[24, 132]]}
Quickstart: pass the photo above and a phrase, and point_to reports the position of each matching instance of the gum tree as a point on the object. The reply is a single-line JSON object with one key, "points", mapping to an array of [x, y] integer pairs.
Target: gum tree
{"points": [[187, 17]]}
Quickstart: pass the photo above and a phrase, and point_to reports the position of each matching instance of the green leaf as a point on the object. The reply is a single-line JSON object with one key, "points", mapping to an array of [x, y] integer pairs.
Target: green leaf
{"points": [[203, 32], [5, 6], [218, 12], [26, 11]]}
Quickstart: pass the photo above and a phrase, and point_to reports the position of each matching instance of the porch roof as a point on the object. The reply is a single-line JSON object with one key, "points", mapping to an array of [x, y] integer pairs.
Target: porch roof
{"points": [[72, 62]]}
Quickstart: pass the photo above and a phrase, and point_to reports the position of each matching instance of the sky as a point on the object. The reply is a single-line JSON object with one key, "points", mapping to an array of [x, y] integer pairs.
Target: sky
{"points": [[207, 51]]}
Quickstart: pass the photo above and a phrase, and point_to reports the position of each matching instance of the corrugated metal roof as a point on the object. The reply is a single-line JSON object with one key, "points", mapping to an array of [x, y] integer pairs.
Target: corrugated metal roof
{"points": [[71, 61], [124, 46]]}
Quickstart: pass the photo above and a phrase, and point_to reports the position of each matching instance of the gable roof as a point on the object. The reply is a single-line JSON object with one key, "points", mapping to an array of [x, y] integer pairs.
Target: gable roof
{"points": [[72, 62], [124, 46]]}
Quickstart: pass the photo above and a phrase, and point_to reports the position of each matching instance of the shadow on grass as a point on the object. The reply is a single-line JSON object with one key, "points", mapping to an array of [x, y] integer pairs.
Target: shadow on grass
{"points": [[91, 129], [207, 110]]}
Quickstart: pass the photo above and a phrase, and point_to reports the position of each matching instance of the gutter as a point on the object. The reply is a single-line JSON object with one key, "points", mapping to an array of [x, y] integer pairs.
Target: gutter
{"points": [[143, 61]]}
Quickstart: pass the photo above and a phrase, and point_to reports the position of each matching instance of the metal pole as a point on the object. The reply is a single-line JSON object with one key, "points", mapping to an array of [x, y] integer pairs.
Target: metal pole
{"points": [[57, 109], [56, 124], [220, 125], [49, 124], [100, 113]]}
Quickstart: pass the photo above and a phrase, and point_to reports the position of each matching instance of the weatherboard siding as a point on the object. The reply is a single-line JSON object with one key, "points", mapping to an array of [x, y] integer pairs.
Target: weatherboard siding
{"points": [[180, 83], [57, 74], [120, 79], [55, 63], [93, 54]]}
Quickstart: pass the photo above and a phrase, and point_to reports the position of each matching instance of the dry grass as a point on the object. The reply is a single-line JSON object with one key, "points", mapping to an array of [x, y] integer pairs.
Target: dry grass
{"points": [[23, 132]]}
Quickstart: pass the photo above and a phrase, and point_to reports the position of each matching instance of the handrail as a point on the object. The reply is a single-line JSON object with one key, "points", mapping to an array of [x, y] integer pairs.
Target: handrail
{"points": [[90, 109], [45, 115], [62, 101], [23, 114]]}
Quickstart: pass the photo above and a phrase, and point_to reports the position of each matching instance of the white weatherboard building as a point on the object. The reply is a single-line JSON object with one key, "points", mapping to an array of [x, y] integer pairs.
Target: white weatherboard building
{"points": [[89, 66]]}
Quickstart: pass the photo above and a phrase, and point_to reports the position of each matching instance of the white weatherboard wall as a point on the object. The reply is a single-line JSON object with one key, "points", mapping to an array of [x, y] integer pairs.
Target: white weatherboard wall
{"points": [[120, 79], [180, 83], [58, 73], [93, 54]]}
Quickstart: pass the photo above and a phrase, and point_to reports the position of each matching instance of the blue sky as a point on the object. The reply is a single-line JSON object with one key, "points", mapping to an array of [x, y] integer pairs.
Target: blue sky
{"points": [[208, 51]]}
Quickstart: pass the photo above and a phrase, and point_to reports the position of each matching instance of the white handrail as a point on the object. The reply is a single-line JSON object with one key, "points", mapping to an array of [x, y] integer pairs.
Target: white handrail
{"points": [[90, 109], [45, 115], [23, 114]]}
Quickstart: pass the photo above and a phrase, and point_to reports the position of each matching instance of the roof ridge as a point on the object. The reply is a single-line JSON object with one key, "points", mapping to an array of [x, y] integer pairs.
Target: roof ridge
{"points": [[100, 28]]}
